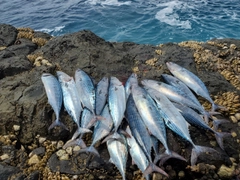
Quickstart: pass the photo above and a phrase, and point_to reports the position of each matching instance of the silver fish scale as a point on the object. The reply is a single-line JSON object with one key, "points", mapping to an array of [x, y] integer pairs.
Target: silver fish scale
{"points": [[85, 89], [180, 85], [138, 127], [118, 153], [70, 96], [130, 81], [190, 79], [150, 115], [54, 92], [103, 127], [101, 95], [116, 101], [86, 117]]}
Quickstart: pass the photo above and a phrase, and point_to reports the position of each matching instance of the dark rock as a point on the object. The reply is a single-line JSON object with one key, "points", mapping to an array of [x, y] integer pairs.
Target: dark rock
{"points": [[14, 65], [8, 34], [6, 171], [22, 47], [34, 175], [39, 151], [38, 34]]}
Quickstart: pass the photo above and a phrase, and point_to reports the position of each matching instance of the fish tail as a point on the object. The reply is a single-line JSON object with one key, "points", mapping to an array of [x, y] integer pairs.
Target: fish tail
{"points": [[216, 106], [94, 120], [57, 123], [80, 131], [219, 137], [197, 150], [78, 142], [154, 168], [91, 150], [114, 135], [167, 155], [217, 122]]}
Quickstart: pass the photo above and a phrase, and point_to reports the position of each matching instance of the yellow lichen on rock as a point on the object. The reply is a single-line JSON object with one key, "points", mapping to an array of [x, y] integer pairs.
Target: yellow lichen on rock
{"points": [[226, 172], [191, 44], [39, 41], [151, 62], [23, 34]]}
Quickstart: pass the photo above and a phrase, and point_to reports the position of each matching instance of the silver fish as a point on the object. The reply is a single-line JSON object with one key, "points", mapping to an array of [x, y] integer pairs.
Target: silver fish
{"points": [[175, 121], [86, 89], [140, 159], [180, 85], [101, 95], [118, 154], [101, 129], [71, 100], [192, 81], [138, 128], [117, 104], [152, 119], [132, 80], [54, 94], [175, 94], [194, 118]]}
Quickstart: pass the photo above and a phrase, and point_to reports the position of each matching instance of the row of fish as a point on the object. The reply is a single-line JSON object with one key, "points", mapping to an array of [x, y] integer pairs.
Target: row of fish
{"points": [[147, 110]]}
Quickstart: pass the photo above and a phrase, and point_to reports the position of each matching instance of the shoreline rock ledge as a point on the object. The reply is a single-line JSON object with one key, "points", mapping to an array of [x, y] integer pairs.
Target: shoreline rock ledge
{"points": [[28, 151]]}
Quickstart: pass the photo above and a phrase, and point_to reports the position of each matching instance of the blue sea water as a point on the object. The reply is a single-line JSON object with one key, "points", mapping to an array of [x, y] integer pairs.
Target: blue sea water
{"points": [[140, 21]]}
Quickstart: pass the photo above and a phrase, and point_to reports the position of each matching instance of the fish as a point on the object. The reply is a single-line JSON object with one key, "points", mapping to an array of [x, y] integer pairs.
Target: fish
{"points": [[132, 80], [118, 154], [192, 81], [101, 94], [86, 89], [175, 94], [138, 128], [153, 120], [55, 98], [192, 117], [140, 159], [176, 122], [71, 101], [117, 105], [101, 129]]}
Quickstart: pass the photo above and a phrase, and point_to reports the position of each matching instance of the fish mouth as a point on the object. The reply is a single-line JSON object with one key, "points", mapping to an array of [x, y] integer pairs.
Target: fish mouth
{"points": [[46, 74]]}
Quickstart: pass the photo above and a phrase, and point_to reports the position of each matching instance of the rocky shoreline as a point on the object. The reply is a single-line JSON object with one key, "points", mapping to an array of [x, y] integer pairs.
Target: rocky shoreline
{"points": [[28, 151]]}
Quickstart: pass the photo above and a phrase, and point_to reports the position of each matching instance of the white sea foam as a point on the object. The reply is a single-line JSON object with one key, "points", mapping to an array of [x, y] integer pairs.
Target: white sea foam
{"points": [[108, 2], [51, 31], [168, 14]]}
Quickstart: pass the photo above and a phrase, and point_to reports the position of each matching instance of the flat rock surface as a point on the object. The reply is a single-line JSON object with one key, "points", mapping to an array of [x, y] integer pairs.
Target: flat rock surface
{"points": [[23, 102]]}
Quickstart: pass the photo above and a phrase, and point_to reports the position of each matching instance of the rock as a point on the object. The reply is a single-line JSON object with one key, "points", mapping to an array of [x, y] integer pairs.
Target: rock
{"points": [[4, 156], [16, 127], [181, 174], [225, 172], [38, 151], [6, 171], [8, 34], [34, 160], [41, 139]]}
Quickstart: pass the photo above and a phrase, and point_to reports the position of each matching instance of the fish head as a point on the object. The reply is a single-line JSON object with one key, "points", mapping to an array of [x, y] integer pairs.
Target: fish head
{"points": [[46, 76], [63, 77], [172, 66]]}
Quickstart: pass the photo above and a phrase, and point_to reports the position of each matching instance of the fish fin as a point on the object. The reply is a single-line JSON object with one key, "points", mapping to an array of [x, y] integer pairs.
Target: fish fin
{"points": [[80, 131], [112, 136], [197, 150], [57, 123], [125, 133], [216, 106], [154, 168], [219, 137], [217, 122], [78, 142], [91, 150], [167, 155], [94, 120]]}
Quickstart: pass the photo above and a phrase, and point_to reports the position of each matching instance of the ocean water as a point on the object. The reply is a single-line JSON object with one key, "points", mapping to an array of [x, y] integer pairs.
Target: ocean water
{"points": [[140, 21]]}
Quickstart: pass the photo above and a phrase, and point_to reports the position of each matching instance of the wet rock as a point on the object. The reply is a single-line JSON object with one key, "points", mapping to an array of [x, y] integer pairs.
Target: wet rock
{"points": [[7, 171], [8, 34]]}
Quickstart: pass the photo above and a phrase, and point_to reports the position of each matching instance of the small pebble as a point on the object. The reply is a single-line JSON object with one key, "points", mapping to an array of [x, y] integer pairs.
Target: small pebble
{"points": [[234, 134], [181, 174], [237, 115], [234, 119], [41, 140], [60, 152], [213, 143], [34, 160], [75, 177], [16, 127], [69, 150], [64, 157], [76, 148], [60, 144], [225, 172], [4, 156]]}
